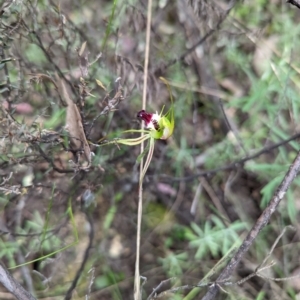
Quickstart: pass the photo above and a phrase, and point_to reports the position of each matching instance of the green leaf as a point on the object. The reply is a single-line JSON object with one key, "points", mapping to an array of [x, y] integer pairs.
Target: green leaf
{"points": [[110, 215], [149, 157], [269, 190], [139, 158], [109, 25]]}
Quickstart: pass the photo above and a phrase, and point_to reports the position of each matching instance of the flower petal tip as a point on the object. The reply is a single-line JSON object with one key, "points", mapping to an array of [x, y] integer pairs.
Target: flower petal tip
{"points": [[146, 117]]}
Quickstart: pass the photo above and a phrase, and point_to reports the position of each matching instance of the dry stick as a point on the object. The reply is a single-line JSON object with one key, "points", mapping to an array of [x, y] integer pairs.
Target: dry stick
{"points": [[159, 286], [8, 83], [137, 285], [294, 2], [20, 257], [15, 234], [13, 286], [50, 161], [263, 263], [56, 67], [85, 258], [232, 166], [196, 45], [262, 266], [231, 128], [259, 225]]}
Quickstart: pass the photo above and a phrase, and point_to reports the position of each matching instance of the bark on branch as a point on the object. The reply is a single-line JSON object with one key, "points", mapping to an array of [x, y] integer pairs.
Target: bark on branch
{"points": [[294, 2], [13, 286]]}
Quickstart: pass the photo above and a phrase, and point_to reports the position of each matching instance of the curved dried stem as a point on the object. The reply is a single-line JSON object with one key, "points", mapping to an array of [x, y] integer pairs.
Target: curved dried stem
{"points": [[149, 156]]}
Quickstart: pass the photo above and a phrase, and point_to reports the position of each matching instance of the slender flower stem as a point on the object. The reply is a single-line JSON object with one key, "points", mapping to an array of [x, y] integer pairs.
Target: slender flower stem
{"points": [[137, 286]]}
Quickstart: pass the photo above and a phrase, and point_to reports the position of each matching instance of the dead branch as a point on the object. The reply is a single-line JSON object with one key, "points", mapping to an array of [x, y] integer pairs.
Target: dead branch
{"points": [[85, 258], [13, 286], [259, 225], [160, 70], [294, 2], [234, 165]]}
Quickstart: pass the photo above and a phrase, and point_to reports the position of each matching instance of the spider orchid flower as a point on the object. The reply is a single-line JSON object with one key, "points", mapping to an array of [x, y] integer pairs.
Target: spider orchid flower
{"points": [[157, 127]]}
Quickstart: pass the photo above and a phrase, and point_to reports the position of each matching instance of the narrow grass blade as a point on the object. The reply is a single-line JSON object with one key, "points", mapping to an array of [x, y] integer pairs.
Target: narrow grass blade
{"points": [[149, 156], [109, 25]]}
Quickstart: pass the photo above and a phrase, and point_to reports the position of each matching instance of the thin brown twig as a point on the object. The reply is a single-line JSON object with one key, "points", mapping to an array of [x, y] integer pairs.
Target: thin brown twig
{"points": [[50, 161], [159, 286], [85, 258], [172, 62], [16, 234], [48, 56], [232, 166], [262, 266], [8, 83], [211, 193], [231, 128], [273, 246]]}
